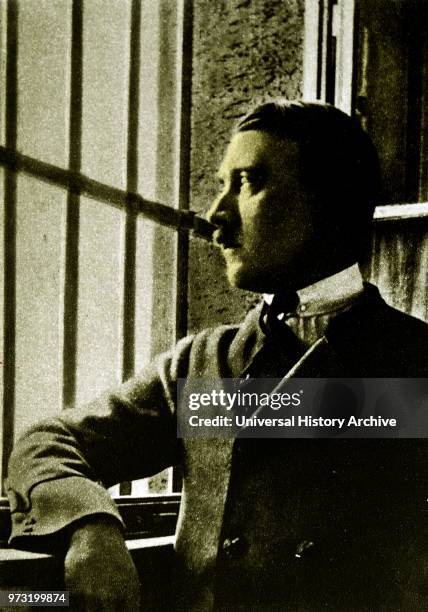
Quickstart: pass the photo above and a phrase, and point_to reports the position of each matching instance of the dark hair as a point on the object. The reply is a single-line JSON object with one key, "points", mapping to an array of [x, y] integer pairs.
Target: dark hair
{"points": [[339, 161]]}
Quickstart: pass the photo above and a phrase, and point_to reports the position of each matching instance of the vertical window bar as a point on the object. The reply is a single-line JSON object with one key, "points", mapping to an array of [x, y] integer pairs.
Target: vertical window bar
{"points": [[128, 355], [414, 105], [330, 87], [72, 216], [423, 178], [128, 350], [356, 47], [320, 62], [181, 312], [184, 167], [10, 236]]}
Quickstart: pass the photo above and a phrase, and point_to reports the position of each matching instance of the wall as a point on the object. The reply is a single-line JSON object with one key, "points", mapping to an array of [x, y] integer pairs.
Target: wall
{"points": [[243, 50]]}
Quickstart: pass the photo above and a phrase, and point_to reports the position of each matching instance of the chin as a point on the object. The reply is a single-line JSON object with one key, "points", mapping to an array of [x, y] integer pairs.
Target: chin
{"points": [[241, 278], [237, 277], [260, 281]]}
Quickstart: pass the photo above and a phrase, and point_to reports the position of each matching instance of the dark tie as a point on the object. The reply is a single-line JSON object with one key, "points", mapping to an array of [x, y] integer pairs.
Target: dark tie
{"points": [[282, 348], [273, 316]]}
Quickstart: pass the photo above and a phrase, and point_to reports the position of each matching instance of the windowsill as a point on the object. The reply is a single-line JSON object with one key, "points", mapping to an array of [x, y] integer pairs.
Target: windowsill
{"points": [[149, 521], [401, 212], [144, 543], [14, 555], [24, 569]]}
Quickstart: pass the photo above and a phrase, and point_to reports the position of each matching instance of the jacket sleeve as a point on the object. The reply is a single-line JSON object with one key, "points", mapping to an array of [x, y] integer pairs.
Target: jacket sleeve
{"points": [[60, 467]]}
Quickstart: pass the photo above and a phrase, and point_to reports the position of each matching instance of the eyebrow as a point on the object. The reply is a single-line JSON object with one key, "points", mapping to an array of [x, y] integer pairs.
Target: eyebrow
{"points": [[238, 170]]}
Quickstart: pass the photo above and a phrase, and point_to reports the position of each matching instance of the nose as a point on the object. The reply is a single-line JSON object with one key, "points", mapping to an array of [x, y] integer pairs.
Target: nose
{"points": [[222, 210]]}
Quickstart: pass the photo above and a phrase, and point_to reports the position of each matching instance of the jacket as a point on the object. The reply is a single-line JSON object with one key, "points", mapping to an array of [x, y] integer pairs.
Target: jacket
{"points": [[295, 524]]}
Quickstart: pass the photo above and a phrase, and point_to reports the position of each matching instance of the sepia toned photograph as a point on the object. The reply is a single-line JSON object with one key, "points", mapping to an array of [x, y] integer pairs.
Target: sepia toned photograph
{"points": [[213, 305]]}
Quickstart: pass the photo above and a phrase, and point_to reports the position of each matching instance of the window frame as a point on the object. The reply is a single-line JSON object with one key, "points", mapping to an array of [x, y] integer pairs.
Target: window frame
{"points": [[329, 74]]}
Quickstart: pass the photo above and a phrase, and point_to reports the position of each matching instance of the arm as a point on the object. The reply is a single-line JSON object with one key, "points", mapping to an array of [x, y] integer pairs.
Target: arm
{"points": [[60, 467]]}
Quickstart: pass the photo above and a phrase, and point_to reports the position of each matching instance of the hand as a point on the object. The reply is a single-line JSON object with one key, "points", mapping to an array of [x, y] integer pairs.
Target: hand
{"points": [[99, 571]]}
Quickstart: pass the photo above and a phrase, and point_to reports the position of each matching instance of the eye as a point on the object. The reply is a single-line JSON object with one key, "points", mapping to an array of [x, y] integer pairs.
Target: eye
{"points": [[251, 179], [245, 178]]}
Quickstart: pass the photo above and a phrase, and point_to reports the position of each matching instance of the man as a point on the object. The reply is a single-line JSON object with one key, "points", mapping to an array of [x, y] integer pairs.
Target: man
{"points": [[297, 524]]}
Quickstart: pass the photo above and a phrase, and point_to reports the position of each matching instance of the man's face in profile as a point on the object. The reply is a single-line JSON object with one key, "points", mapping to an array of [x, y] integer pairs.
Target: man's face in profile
{"points": [[265, 214]]}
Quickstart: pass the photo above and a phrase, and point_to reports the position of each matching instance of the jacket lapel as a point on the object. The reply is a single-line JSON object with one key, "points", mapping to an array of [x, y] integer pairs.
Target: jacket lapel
{"points": [[348, 334], [319, 361]]}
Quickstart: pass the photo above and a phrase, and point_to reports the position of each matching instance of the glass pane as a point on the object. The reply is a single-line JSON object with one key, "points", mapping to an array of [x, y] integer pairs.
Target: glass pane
{"points": [[106, 27], [39, 300], [99, 339], [44, 42], [391, 92]]}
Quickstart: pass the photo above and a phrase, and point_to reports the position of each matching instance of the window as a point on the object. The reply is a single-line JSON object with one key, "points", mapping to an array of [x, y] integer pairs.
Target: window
{"points": [[92, 99], [391, 92], [371, 59]]}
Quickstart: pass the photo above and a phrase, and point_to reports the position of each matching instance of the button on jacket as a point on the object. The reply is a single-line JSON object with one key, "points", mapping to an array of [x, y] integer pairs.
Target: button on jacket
{"points": [[294, 524]]}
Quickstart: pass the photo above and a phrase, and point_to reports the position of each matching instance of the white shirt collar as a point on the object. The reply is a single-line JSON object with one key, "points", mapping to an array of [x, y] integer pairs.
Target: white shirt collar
{"points": [[328, 294]]}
